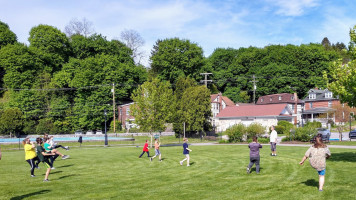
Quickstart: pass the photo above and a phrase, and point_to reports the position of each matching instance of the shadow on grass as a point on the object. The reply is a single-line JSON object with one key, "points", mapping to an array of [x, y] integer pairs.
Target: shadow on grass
{"points": [[55, 172], [311, 182], [344, 156], [62, 177], [65, 166], [254, 169], [30, 195]]}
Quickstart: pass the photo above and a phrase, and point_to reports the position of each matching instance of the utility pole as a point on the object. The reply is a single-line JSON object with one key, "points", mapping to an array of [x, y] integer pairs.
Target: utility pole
{"points": [[254, 88], [206, 78], [113, 105]]}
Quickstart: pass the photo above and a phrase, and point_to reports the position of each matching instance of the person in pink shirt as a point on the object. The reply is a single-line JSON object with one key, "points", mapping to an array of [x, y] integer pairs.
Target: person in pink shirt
{"points": [[145, 149]]}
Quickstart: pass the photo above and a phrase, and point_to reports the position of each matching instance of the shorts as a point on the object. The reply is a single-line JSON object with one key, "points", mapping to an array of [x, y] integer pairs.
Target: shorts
{"points": [[187, 155], [322, 172], [273, 146], [46, 162], [157, 152]]}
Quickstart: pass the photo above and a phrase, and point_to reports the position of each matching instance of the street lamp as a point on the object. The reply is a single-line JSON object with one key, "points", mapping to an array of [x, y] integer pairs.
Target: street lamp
{"points": [[106, 136]]}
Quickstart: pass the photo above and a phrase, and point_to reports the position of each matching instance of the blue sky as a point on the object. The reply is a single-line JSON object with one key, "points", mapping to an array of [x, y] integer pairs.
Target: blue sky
{"points": [[209, 23]]}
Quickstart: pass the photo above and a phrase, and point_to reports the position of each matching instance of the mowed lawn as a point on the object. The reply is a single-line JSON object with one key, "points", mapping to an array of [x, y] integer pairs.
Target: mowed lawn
{"points": [[216, 172]]}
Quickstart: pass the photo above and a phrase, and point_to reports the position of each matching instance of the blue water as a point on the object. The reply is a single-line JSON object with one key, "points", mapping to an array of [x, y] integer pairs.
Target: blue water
{"points": [[62, 139]]}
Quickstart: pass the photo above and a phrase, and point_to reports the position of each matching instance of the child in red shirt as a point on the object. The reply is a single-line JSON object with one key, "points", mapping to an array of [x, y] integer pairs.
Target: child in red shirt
{"points": [[145, 149]]}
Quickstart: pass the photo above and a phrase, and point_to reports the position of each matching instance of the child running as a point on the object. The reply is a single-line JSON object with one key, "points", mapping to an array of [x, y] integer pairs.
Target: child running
{"points": [[157, 152], [185, 152], [49, 148], [254, 155], [145, 149], [30, 155], [55, 145], [44, 157]]}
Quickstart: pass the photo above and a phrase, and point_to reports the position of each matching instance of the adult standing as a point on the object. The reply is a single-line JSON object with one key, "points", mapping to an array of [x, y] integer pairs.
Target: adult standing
{"points": [[254, 155], [273, 141], [317, 154]]}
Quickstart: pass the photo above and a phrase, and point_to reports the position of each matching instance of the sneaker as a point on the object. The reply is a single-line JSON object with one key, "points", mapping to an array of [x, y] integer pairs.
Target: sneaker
{"points": [[181, 163], [248, 170], [320, 190], [37, 167], [160, 160], [46, 180], [67, 148], [65, 157], [151, 159], [188, 165], [33, 176], [53, 168]]}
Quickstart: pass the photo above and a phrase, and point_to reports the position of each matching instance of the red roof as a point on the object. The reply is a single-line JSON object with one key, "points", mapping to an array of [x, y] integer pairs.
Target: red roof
{"points": [[253, 111], [224, 98]]}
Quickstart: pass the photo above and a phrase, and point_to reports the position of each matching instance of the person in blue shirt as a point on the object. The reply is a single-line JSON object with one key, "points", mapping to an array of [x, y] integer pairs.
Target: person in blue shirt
{"points": [[186, 151]]}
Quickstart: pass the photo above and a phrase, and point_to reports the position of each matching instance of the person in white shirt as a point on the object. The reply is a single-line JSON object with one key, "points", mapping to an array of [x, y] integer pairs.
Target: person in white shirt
{"points": [[273, 141]]}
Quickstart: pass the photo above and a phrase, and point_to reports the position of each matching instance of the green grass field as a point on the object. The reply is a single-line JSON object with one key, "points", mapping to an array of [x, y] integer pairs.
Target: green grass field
{"points": [[216, 172]]}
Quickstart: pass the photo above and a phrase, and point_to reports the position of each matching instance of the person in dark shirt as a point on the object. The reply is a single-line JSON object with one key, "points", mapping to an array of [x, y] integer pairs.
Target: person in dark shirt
{"points": [[254, 155], [44, 157], [186, 151]]}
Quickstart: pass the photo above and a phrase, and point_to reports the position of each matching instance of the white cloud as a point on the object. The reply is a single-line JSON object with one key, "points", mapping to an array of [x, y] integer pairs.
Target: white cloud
{"points": [[293, 7]]}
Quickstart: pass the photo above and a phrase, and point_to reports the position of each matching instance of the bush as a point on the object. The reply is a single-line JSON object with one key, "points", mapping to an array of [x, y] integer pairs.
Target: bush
{"points": [[314, 124], [255, 129], [304, 134], [287, 127], [236, 132], [279, 129], [118, 126], [260, 140]]}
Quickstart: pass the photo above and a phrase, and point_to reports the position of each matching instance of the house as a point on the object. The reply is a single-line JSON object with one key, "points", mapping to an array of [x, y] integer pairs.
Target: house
{"points": [[266, 115], [294, 104], [219, 103], [319, 105], [127, 121]]}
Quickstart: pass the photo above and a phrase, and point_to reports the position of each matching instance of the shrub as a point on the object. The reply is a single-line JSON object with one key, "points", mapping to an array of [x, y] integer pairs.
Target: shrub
{"points": [[304, 134], [287, 127], [314, 124], [279, 129], [255, 129], [260, 140], [236, 132]]}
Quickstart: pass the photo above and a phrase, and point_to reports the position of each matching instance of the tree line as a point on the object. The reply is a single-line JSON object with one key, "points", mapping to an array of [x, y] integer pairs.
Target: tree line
{"points": [[60, 83]]}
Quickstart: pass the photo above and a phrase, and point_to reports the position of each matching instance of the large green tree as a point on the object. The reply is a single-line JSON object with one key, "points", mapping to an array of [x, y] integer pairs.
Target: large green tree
{"points": [[192, 107], [342, 76], [172, 58], [11, 121], [153, 106]]}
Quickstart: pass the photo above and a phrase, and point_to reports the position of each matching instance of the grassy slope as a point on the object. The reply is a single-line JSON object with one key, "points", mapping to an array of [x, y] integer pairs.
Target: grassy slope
{"points": [[216, 172]]}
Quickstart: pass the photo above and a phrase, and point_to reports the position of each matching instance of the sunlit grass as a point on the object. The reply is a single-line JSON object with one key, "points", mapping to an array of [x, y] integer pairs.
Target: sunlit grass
{"points": [[216, 172]]}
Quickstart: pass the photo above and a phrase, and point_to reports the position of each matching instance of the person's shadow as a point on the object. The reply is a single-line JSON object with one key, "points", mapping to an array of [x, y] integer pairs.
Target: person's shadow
{"points": [[344, 156], [311, 182], [30, 195]]}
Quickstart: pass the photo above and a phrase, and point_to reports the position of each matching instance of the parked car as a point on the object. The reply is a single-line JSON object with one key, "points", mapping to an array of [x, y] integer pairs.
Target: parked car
{"points": [[325, 133], [352, 134], [99, 132], [78, 132], [90, 132]]}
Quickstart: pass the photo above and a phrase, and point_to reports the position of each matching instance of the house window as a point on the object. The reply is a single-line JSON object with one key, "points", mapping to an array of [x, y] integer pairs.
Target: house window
{"points": [[330, 104], [329, 95], [311, 104], [292, 98], [270, 99], [293, 107], [312, 96], [280, 98], [127, 111], [261, 99]]}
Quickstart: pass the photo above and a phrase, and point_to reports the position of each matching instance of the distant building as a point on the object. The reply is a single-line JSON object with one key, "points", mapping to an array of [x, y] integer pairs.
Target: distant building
{"points": [[294, 104], [219, 103], [127, 121], [266, 115]]}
